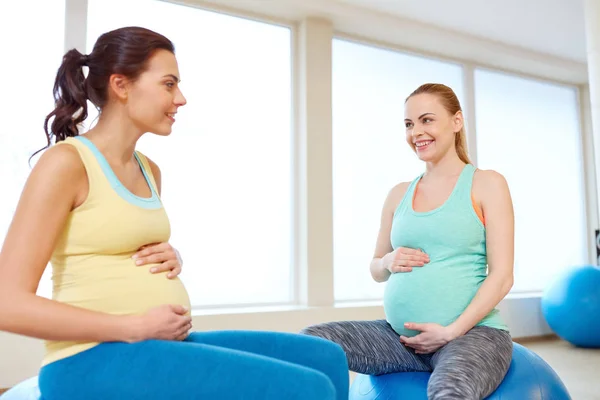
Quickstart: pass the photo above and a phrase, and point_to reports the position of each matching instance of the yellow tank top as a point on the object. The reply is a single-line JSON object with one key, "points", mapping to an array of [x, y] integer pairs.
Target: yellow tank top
{"points": [[92, 266]]}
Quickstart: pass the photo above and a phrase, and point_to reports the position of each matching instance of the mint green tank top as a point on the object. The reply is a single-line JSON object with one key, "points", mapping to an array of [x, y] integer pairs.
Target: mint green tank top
{"points": [[454, 238]]}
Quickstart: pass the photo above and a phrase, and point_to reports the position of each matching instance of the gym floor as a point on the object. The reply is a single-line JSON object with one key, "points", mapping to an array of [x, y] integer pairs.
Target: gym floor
{"points": [[579, 369]]}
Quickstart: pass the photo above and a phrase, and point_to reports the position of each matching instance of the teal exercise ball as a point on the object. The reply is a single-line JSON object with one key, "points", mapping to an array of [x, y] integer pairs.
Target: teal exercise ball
{"points": [[571, 306]]}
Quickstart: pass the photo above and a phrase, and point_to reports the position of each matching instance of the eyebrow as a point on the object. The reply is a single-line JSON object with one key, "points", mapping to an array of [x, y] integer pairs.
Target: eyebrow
{"points": [[421, 116], [176, 79]]}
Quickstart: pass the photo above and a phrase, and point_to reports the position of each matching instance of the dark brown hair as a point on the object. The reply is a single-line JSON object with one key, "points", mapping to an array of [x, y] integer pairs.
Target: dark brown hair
{"points": [[124, 51], [450, 102]]}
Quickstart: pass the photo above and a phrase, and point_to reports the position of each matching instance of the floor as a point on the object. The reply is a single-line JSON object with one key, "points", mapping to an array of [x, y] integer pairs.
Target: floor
{"points": [[578, 368]]}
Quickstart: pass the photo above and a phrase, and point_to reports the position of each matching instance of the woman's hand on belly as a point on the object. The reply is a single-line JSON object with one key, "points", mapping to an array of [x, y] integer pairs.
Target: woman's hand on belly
{"points": [[163, 254], [403, 259], [432, 337], [167, 322]]}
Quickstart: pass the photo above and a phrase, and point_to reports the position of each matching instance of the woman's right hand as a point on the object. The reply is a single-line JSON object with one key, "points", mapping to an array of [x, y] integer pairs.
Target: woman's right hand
{"points": [[403, 259], [167, 322]]}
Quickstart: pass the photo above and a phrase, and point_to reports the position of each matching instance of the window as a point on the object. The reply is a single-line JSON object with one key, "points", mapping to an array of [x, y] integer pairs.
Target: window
{"points": [[370, 154], [227, 166], [29, 78], [529, 131]]}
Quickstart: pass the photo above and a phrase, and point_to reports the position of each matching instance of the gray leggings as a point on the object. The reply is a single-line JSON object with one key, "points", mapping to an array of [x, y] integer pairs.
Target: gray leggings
{"points": [[469, 367]]}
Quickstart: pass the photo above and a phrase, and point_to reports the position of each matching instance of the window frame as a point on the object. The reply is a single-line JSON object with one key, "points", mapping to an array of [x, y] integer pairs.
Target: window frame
{"points": [[312, 286], [313, 264], [312, 283]]}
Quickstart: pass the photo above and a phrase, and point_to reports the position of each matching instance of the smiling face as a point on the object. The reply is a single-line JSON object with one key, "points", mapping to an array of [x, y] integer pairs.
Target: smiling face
{"points": [[430, 129], [153, 98]]}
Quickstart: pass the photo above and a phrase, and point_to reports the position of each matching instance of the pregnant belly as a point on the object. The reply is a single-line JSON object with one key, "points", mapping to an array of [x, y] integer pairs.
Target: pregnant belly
{"points": [[426, 295], [122, 290]]}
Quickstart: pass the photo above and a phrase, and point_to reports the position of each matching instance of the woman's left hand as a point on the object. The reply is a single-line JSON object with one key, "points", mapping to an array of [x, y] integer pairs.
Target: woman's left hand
{"points": [[432, 337], [160, 253]]}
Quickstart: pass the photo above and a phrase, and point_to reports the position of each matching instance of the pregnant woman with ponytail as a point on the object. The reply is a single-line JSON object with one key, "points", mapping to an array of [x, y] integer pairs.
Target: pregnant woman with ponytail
{"points": [[112, 329], [445, 249]]}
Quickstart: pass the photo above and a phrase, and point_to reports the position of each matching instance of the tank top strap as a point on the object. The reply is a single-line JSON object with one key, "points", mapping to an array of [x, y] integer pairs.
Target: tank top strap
{"points": [[101, 178], [96, 180], [413, 185], [408, 195], [146, 169], [464, 184]]}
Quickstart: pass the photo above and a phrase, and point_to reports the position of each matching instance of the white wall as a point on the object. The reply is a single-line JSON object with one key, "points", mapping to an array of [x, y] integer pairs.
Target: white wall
{"points": [[20, 357]]}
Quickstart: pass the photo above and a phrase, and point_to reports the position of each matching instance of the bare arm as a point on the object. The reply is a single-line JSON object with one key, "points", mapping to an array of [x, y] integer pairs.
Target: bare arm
{"points": [[379, 272], [52, 190], [496, 203]]}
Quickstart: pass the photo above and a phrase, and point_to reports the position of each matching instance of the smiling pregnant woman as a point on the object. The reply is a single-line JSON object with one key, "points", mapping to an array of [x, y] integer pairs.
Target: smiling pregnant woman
{"points": [[445, 249]]}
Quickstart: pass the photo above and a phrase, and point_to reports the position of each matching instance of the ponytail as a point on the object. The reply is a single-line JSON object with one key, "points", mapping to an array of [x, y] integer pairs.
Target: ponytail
{"points": [[124, 51], [70, 99], [460, 143]]}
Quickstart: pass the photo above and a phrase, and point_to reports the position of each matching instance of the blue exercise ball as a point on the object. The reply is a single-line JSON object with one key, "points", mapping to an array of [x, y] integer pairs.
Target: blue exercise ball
{"points": [[528, 378], [571, 306], [26, 390]]}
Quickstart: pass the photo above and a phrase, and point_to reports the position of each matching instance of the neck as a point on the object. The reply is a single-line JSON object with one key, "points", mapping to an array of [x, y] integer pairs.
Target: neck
{"points": [[115, 136], [449, 165]]}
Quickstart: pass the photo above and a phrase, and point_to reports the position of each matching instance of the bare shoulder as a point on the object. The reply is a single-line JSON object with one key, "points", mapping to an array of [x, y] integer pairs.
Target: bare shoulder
{"points": [[490, 186], [153, 166], [155, 171], [61, 166], [489, 179], [51, 191], [395, 196], [60, 162], [399, 190]]}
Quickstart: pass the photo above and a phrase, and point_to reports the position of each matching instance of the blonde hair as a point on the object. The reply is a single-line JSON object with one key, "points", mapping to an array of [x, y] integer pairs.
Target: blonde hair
{"points": [[452, 105]]}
